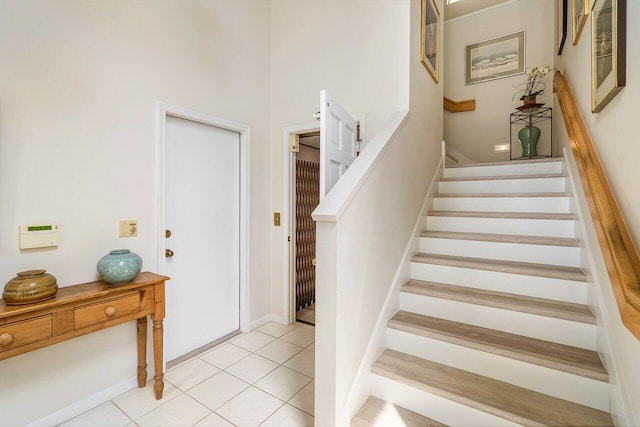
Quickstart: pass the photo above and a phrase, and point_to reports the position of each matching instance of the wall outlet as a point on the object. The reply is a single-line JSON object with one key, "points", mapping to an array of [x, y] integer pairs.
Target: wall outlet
{"points": [[129, 228]]}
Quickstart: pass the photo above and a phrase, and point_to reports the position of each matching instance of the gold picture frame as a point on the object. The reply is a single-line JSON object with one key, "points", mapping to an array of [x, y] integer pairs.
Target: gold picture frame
{"points": [[579, 14], [430, 38], [608, 51]]}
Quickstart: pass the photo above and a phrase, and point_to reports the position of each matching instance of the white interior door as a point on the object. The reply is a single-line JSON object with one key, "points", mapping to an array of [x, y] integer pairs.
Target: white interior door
{"points": [[202, 211], [338, 134]]}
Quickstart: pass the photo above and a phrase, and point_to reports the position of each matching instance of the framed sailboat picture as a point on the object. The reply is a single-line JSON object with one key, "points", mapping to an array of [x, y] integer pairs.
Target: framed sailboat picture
{"points": [[495, 58]]}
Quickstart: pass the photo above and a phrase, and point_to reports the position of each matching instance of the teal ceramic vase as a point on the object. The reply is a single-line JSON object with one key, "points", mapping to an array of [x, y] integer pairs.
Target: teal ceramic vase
{"points": [[119, 266], [529, 136]]}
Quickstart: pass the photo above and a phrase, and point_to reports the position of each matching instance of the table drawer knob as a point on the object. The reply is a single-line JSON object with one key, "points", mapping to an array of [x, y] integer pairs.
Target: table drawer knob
{"points": [[110, 311], [6, 339]]}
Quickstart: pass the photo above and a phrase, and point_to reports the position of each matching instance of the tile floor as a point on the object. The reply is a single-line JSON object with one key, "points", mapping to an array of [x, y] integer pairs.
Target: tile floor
{"points": [[262, 378], [307, 315]]}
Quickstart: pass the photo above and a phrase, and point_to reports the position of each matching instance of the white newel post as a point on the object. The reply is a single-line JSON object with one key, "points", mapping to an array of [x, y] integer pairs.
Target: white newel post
{"points": [[326, 325]]}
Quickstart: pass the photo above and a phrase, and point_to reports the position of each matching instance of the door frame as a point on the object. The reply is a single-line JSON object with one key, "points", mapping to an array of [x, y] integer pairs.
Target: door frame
{"points": [[162, 111], [288, 205]]}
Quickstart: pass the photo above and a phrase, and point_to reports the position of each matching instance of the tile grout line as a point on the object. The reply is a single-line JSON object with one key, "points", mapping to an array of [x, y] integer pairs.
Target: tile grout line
{"points": [[284, 402], [178, 392]]}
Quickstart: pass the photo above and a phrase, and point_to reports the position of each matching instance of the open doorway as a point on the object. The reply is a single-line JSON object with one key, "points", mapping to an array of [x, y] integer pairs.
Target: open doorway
{"points": [[307, 197], [316, 155]]}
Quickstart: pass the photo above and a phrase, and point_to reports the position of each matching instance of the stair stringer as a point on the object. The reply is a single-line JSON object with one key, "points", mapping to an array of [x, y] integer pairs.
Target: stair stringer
{"points": [[361, 386], [611, 335]]}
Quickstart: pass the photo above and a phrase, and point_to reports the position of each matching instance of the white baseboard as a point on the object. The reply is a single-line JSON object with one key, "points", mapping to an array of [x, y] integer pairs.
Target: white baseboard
{"points": [[456, 155], [85, 404], [361, 386], [266, 319]]}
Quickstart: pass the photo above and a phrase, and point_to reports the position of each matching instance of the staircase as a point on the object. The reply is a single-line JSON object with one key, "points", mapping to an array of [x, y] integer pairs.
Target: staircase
{"points": [[493, 327]]}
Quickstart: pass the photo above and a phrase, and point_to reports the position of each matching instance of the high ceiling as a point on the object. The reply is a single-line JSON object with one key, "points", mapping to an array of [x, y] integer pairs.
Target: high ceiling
{"points": [[463, 7]]}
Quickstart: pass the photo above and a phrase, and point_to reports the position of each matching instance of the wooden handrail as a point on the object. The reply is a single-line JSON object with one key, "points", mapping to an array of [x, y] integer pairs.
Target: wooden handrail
{"points": [[460, 106], [619, 252]]}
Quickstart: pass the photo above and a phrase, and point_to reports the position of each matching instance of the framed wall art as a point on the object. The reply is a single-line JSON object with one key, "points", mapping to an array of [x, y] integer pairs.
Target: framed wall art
{"points": [[561, 24], [495, 58], [608, 51], [579, 12], [430, 37]]}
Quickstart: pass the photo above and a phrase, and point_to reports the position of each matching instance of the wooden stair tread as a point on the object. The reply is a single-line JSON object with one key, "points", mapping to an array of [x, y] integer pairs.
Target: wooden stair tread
{"points": [[503, 177], [498, 195], [510, 215], [513, 267], [503, 238], [501, 399], [378, 413], [522, 303], [573, 360]]}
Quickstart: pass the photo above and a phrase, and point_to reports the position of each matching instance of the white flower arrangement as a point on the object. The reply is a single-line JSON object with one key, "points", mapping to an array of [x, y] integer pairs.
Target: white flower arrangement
{"points": [[534, 85]]}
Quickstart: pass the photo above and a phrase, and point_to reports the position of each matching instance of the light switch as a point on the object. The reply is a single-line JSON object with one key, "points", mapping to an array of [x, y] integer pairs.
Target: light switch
{"points": [[129, 228]]}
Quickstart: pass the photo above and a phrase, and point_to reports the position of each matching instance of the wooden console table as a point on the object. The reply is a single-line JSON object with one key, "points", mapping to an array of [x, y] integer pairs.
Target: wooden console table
{"points": [[81, 309]]}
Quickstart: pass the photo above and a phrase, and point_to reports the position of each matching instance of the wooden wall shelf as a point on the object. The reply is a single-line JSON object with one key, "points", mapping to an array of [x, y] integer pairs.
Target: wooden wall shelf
{"points": [[81, 309], [460, 106]]}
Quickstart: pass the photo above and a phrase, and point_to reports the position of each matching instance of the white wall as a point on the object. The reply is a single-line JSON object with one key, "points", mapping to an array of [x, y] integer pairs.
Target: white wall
{"points": [[357, 51], [309, 154], [78, 88], [474, 133], [613, 130], [355, 276], [614, 135]]}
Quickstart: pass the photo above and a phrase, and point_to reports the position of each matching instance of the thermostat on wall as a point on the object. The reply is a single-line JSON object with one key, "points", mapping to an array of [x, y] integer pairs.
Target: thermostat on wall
{"points": [[38, 236]]}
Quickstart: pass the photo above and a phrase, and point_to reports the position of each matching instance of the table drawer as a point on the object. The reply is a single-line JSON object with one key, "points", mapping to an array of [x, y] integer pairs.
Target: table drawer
{"points": [[26, 332], [106, 311]]}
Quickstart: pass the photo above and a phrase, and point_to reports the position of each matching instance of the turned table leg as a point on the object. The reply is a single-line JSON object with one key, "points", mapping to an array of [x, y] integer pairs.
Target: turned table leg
{"points": [[157, 317], [158, 385], [142, 352]]}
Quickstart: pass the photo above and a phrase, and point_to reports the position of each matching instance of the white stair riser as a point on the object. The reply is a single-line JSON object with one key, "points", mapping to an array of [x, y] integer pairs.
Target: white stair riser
{"points": [[522, 185], [431, 405], [541, 287], [504, 204], [542, 254], [545, 328], [502, 170], [525, 227], [563, 385]]}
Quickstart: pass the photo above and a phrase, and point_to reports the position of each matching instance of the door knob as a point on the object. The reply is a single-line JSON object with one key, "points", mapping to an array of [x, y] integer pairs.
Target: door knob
{"points": [[167, 233], [168, 253]]}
